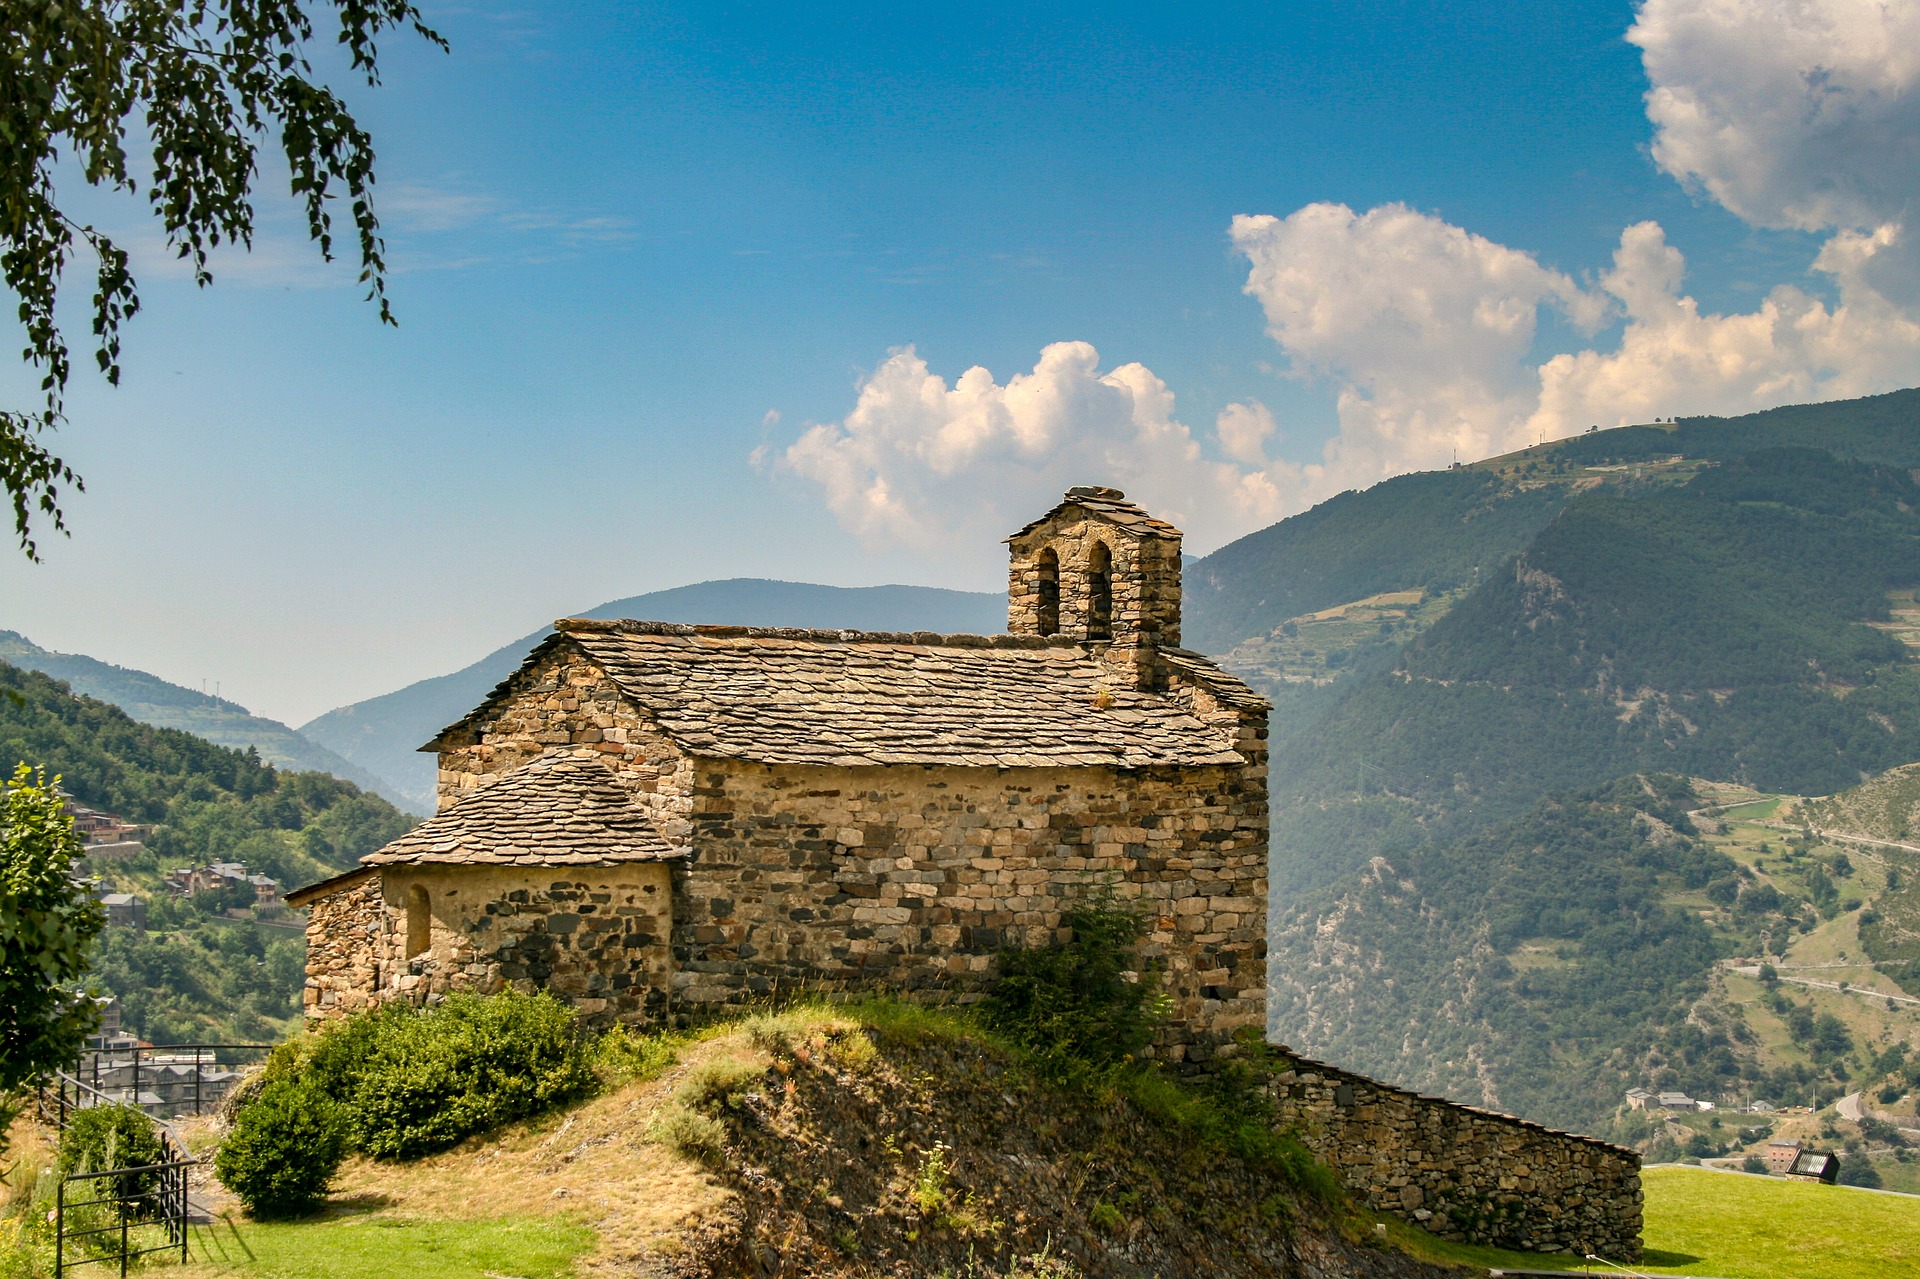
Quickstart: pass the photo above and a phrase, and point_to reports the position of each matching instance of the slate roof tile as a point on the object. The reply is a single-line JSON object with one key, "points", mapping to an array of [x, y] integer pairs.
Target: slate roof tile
{"points": [[854, 698], [559, 810]]}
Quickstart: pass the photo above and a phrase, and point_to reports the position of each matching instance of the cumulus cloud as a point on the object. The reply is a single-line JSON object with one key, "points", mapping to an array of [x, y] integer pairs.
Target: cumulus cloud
{"points": [[1794, 114], [920, 461], [1424, 329], [1673, 360]]}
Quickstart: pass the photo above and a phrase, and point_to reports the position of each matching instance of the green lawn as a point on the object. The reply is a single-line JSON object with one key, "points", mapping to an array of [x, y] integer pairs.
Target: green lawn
{"points": [[376, 1246], [1737, 1227]]}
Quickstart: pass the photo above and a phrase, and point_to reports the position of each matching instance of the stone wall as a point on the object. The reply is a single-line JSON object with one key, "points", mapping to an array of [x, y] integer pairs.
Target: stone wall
{"points": [[345, 939], [596, 936], [909, 879], [1463, 1173]]}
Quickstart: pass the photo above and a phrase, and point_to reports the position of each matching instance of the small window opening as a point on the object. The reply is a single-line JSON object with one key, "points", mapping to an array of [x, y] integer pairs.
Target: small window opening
{"points": [[419, 921], [1099, 592], [1048, 569]]}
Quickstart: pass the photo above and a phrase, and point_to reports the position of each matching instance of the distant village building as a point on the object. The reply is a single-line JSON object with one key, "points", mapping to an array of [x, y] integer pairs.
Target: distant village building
{"points": [[96, 827], [192, 881], [125, 910], [1815, 1165], [1676, 1101], [1780, 1155], [1637, 1098]]}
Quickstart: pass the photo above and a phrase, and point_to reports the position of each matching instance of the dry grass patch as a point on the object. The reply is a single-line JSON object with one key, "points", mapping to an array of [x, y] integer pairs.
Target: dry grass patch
{"points": [[605, 1164]]}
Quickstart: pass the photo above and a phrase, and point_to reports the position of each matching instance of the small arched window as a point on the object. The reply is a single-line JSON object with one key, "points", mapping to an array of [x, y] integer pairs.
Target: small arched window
{"points": [[419, 921], [1047, 569], [1099, 592]]}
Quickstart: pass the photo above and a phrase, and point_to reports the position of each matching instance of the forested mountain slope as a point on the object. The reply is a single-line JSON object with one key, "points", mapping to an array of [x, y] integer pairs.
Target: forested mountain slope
{"points": [[1468, 897], [152, 700], [1532, 967], [383, 734], [196, 975], [1720, 629]]}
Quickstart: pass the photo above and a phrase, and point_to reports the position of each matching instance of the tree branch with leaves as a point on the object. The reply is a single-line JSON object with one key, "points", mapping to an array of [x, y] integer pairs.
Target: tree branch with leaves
{"points": [[206, 83]]}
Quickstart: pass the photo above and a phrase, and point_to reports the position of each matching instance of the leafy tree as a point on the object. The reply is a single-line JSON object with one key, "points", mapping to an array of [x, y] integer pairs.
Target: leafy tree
{"points": [[47, 926], [204, 81]]}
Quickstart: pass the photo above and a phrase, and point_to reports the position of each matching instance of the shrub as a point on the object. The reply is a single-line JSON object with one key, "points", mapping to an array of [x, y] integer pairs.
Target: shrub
{"points": [[1754, 1164], [426, 1081], [284, 1149], [1859, 1171], [105, 1137], [1084, 1004]]}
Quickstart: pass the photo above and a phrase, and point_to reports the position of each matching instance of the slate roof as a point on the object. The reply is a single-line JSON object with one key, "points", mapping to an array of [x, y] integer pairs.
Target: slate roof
{"points": [[559, 810], [853, 698], [1112, 506]]}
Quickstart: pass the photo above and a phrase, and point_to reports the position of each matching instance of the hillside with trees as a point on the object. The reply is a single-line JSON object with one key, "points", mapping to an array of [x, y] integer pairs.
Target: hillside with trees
{"points": [[205, 968], [1484, 878]]}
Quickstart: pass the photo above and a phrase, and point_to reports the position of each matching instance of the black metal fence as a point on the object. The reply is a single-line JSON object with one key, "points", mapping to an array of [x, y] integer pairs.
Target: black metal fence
{"points": [[167, 1081], [115, 1215], [133, 1212]]}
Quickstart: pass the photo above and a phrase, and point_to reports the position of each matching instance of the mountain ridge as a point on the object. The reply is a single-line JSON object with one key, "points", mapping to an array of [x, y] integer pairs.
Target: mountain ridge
{"points": [[152, 700]]}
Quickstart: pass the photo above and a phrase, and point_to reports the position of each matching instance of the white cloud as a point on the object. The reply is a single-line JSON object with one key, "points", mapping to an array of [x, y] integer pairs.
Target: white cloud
{"points": [[1672, 360], [1794, 114], [1423, 328], [922, 462]]}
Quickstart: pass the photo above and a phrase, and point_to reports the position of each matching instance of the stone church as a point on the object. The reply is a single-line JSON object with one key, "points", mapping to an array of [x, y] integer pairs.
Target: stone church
{"points": [[652, 819]]}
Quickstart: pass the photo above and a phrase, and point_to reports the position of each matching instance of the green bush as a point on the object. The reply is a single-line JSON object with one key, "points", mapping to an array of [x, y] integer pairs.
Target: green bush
{"points": [[414, 1082], [105, 1137], [1073, 1005], [284, 1149]]}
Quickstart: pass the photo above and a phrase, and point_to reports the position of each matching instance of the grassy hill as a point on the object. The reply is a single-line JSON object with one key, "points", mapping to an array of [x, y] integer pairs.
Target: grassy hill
{"points": [[863, 1140], [873, 1139], [152, 700], [197, 974], [383, 734]]}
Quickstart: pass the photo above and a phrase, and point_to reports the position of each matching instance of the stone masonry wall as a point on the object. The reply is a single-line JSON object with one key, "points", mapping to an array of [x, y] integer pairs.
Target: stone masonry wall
{"points": [[344, 944], [565, 703], [1463, 1173], [909, 879], [596, 936]]}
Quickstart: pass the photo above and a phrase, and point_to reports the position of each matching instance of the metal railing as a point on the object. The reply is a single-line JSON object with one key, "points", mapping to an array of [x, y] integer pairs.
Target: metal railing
{"points": [[140, 1199], [136, 1209], [167, 1080]]}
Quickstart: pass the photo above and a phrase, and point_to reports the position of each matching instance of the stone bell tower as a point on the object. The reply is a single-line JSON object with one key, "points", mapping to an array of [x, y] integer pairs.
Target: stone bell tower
{"points": [[1099, 570]]}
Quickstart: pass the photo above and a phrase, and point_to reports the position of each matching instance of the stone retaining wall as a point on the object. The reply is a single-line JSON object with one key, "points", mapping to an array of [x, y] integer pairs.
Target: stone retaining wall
{"points": [[1466, 1174]]}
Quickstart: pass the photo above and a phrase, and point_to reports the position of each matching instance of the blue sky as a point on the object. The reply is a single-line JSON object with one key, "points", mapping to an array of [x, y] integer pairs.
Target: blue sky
{"points": [[647, 257]]}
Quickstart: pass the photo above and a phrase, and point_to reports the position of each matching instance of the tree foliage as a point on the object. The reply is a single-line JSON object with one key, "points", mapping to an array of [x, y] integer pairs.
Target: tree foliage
{"points": [[203, 83], [48, 923]]}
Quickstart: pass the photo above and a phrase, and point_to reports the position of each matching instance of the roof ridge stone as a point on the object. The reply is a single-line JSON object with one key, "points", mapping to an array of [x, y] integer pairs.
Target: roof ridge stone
{"points": [[818, 635]]}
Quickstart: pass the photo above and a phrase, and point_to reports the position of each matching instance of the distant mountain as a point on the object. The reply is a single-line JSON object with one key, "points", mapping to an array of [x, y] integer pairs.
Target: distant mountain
{"points": [[152, 700], [383, 734]]}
